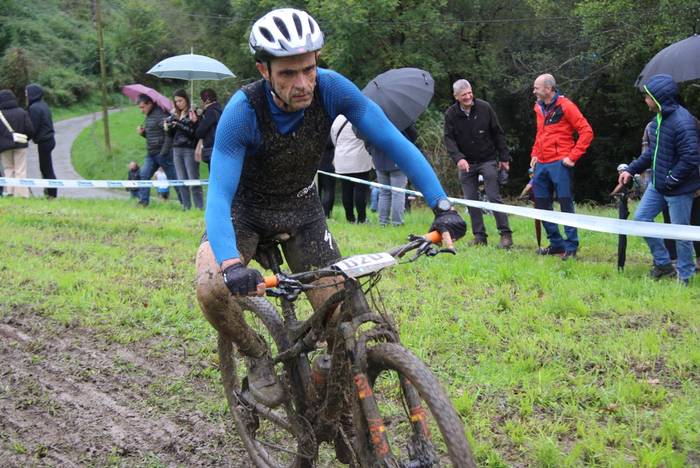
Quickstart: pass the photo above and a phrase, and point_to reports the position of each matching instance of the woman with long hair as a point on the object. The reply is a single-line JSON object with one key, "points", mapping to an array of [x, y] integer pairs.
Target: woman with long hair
{"points": [[181, 127]]}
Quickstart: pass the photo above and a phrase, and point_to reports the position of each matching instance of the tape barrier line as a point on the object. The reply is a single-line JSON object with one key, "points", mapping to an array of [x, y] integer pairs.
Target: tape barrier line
{"points": [[588, 222], [56, 183]]}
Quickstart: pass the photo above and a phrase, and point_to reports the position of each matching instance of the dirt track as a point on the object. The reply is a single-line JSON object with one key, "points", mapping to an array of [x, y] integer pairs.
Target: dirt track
{"points": [[70, 398]]}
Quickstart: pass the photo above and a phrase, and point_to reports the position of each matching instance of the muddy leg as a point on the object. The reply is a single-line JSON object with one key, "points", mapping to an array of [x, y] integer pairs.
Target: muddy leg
{"points": [[220, 307]]}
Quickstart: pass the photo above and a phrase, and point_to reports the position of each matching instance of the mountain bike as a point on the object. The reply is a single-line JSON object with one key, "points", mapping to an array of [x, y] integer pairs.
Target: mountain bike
{"points": [[348, 380]]}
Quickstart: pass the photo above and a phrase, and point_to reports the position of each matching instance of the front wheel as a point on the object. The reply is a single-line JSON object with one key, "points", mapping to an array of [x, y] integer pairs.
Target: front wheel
{"points": [[422, 428], [277, 438]]}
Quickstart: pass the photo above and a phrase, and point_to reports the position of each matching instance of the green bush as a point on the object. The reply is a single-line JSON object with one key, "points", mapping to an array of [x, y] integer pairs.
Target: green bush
{"points": [[64, 86]]}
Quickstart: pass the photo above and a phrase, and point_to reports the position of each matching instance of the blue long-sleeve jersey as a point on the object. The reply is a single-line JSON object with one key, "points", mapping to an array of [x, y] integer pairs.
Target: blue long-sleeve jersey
{"points": [[238, 137]]}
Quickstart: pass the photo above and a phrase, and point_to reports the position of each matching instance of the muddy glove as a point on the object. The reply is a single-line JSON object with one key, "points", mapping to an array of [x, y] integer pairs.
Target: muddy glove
{"points": [[448, 220], [241, 280]]}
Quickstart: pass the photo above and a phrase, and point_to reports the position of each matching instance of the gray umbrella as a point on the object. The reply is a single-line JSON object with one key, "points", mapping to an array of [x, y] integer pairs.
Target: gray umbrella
{"points": [[681, 60], [402, 93]]}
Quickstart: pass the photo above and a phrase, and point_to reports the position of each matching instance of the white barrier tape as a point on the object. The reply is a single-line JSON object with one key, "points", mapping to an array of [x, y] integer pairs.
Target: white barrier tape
{"points": [[55, 183], [588, 222]]}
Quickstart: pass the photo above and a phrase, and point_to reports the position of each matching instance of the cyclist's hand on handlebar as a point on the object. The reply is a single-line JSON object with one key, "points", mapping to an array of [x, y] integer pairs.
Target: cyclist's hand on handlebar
{"points": [[449, 222], [243, 281]]}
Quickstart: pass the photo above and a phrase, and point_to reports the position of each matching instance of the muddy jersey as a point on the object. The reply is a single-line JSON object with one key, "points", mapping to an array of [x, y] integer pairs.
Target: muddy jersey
{"points": [[284, 165], [253, 127]]}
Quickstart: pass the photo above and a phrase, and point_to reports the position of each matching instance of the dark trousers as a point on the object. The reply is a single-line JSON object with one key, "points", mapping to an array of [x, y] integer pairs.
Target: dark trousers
{"points": [[326, 191], [355, 197], [470, 188], [45, 164]]}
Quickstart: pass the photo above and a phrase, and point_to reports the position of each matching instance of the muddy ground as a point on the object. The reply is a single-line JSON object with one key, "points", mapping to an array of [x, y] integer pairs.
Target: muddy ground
{"points": [[71, 398]]}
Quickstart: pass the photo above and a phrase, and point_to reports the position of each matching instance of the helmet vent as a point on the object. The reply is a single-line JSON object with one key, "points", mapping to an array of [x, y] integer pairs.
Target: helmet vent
{"points": [[282, 27], [268, 35], [311, 25], [297, 23]]}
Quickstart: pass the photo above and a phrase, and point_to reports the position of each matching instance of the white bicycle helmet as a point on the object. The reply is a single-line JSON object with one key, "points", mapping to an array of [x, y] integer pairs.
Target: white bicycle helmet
{"points": [[283, 33]]}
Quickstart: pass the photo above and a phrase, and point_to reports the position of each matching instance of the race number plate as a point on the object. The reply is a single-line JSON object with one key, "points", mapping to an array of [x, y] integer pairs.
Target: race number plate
{"points": [[361, 265]]}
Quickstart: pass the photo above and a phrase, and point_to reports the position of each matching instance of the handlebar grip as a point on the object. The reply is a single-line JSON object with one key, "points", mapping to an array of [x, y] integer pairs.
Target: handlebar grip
{"points": [[271, 281], [435, 237]]}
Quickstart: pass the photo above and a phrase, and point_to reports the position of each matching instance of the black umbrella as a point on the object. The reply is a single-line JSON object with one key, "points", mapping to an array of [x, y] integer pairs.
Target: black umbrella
{"points": [[402, 93], [681, 60]]}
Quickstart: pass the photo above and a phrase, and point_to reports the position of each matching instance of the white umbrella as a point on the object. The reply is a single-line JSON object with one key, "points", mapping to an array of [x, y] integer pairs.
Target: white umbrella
{"points": [[191, 67]]}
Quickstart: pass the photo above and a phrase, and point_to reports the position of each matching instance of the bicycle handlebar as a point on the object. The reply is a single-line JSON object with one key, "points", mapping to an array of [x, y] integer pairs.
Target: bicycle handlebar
{"points": [[274, 281]]}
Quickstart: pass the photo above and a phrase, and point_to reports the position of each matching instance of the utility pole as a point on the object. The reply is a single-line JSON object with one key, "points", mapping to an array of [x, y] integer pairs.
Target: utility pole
{"points": [[103, 75]]}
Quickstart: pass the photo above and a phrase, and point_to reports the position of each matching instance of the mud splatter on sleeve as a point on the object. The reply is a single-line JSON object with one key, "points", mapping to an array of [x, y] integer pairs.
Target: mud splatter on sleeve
{"points": [[236, 135]]}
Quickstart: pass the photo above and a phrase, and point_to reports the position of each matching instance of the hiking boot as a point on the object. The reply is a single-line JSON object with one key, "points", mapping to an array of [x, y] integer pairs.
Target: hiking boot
{"points": [[659, 271], [477, 241], [549, 250], [570, 254], [263, 382], [506, 241]]}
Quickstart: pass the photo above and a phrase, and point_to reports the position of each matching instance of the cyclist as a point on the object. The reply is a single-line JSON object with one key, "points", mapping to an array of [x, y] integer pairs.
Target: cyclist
{"points": [[267, 149]]}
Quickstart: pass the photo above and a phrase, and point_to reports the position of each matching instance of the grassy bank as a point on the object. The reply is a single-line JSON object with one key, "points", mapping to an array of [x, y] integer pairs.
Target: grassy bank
{"points": [[550, 363]]}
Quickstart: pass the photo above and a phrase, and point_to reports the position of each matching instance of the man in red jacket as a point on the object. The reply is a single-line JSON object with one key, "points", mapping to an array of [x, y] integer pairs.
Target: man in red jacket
{"points": [[554, 156]]}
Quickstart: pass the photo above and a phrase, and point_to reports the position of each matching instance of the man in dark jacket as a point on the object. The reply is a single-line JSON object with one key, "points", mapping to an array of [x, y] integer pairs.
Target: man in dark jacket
{"points": [[476, 143], [40, 114], [158, 145], [674, 159], [14, 154], [206, 127]]}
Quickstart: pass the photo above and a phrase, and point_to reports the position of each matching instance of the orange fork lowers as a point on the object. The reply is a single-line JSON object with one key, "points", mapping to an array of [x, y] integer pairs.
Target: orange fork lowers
{"points": [[435, 237]]}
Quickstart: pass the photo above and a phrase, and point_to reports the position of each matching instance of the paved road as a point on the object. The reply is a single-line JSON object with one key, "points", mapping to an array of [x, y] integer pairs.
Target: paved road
{"points": [[66, 132]]}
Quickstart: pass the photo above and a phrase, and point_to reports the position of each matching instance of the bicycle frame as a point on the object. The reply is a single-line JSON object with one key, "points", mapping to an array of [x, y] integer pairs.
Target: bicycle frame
{"points": [[353, 314]]}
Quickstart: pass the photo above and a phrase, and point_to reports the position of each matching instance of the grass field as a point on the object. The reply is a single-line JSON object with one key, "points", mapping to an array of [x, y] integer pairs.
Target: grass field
{"points": [[549, 363]]}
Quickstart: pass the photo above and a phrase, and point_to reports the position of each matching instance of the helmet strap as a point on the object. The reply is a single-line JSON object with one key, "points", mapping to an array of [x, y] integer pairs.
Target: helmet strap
{"points": [[285, 104]]}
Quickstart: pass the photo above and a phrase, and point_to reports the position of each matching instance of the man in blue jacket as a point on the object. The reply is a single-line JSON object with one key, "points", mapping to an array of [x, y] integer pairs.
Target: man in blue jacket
{"points": [[674, 160]]}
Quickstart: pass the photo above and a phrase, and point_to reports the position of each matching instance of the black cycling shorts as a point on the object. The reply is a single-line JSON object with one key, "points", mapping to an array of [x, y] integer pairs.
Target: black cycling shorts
{"points": [[310, 245]]}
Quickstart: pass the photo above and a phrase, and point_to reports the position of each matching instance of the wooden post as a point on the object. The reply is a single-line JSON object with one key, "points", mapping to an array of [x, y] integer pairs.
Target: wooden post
{"points": [[103, 76]]}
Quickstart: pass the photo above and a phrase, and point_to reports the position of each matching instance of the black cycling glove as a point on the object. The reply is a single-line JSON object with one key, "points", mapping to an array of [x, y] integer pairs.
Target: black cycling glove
{"points": [[451, 222], [241, 280]]}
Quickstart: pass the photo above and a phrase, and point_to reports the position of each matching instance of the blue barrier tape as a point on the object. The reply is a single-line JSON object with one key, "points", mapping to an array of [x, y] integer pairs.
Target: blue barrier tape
{"points": [[588, 222], [53, 183]]}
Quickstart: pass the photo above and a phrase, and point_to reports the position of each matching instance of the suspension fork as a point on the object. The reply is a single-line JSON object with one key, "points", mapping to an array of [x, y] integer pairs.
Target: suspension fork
{"points": [[357, 303]]}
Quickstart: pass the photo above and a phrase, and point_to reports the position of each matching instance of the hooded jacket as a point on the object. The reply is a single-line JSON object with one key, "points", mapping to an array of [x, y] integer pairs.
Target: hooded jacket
{"points": [[556, 124], [40, 114], [17, 118], [673, 147]]}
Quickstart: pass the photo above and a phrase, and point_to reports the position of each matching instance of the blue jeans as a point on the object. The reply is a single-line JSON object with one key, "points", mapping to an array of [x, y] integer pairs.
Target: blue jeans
{"points": [[679, 207], [150, 166], [391, 203], [550, 178], [374, 198]]}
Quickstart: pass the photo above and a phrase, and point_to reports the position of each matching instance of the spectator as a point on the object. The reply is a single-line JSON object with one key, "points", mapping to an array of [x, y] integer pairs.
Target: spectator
{"points": [[134, 174], [326, 183], [476, 143], [40, 114], [13, 154], [391, 204], [351, 159], [554, 156], [158, 145], [181, 128], [162, 186], [206, 125], [674, 159]]}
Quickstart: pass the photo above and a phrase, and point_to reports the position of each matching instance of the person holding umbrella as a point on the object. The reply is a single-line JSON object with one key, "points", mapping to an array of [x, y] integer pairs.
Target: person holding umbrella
{"points": [[266, 153], [674, 159], [181, 128], [158, 145]]}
